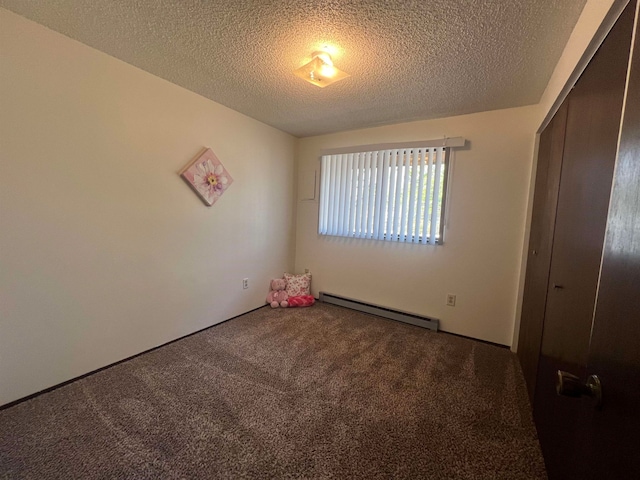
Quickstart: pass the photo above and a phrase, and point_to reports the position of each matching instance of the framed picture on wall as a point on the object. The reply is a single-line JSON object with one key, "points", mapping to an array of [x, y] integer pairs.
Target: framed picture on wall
{"points": [[206, 175]]}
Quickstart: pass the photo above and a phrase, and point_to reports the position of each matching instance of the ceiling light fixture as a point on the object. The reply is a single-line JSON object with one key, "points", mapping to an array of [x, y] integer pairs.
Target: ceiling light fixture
{"points": [[320, 70]]}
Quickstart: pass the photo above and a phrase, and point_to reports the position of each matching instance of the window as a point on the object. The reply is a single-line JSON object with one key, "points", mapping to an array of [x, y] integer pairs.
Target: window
{"points": [[395, 195]]}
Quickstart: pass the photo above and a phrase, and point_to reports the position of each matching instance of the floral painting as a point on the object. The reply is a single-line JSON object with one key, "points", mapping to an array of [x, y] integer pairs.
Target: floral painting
{"points": [[207, 176]]}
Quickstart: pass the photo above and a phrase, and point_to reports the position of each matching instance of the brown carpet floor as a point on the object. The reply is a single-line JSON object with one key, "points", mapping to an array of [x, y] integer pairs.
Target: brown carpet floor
{"points": [[322, 392]]}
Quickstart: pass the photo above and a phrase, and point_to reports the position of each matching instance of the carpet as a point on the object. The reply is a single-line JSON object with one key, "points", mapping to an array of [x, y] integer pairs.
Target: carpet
{"points": [[321, 392]]}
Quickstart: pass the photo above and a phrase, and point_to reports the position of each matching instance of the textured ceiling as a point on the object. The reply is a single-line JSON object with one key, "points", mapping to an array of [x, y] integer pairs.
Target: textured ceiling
{"points": [[408, 60]]}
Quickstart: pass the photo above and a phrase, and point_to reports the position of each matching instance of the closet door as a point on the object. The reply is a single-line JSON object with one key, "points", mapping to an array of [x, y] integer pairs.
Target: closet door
{"points": [[592, 129], [614, 439], [543, 220]]}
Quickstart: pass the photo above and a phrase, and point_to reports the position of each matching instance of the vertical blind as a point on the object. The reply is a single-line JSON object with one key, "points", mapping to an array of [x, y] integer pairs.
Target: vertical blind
{"points": [[395, 195]]}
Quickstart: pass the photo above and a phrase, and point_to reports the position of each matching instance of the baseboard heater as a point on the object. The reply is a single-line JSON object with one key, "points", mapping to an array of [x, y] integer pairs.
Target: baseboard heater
{"points": [[398, 315]]}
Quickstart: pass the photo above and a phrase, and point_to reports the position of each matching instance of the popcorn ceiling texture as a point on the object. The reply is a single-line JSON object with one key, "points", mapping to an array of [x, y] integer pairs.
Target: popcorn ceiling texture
{"points": [[408, 60]]}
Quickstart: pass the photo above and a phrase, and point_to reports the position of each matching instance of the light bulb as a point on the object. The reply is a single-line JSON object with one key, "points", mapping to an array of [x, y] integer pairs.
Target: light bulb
{"points": [[327, 70]]}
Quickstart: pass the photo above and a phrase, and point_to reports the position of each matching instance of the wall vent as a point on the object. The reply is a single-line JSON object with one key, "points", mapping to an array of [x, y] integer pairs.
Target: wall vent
{"points": [[391, 314]]}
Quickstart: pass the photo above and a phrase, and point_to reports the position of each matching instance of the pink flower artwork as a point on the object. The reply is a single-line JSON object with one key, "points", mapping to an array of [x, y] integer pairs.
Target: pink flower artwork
{"points": [[207, 176]]}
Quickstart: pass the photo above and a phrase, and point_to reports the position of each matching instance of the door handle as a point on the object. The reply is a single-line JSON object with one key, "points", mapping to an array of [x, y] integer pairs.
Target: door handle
{"points": [[569, 385], [557, 287]]}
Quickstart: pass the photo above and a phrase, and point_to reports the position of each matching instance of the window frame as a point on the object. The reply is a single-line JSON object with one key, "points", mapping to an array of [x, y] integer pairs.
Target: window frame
{"points": [[326, 213]]}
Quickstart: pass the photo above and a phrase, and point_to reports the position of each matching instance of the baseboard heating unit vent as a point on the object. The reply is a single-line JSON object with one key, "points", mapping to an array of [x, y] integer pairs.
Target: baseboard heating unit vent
{"points": [[412, 318]]}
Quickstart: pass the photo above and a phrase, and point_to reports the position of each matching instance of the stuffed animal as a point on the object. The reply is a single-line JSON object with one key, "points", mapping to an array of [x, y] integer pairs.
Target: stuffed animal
{"points": [[301, 301], [278, 297]]}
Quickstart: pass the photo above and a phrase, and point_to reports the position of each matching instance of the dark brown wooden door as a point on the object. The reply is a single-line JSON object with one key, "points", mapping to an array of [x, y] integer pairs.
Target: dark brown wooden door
{"points": [[613, 444], [590, 146], [543, 217]]}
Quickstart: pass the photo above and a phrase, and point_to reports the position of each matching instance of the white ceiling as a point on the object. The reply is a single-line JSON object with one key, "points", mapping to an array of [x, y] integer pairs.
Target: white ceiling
{"points": [[408, 60]]}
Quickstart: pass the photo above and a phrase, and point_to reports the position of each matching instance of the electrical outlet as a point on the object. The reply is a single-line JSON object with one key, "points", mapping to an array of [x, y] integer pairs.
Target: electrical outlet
{"points": [[306, 270], [245, 283], [451, 300]]}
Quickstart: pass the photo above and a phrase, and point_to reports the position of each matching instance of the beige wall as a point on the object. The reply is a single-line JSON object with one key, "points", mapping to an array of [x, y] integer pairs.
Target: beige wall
{"points": [[480, 261], [587, 27], [104, 251]]}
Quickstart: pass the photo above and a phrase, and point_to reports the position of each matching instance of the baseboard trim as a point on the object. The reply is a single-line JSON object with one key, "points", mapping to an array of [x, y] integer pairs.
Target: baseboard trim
{"points": [[487, 342], [13, 403], [445, 332]]}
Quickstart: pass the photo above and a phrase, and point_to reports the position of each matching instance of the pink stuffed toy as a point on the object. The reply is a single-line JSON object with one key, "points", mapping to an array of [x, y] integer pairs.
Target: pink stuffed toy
{"points": [[278, 297], [302, 301]]}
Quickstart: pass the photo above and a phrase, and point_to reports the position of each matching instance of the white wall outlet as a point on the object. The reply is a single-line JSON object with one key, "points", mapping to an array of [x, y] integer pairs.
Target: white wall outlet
{"points": [[306, 270], [451, 300], [245, 283]]}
